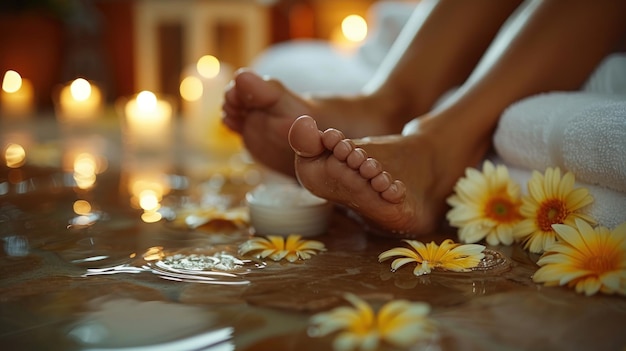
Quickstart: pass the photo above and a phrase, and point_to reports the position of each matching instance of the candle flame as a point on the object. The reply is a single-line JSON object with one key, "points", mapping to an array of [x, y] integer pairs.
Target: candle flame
{"points": [[146, 101], [12, 81], [191, 88], [208, 66], [80, 89], [354, 28]]}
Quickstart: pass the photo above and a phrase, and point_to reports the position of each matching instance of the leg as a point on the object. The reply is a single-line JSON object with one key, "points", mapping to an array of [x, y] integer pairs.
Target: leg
{"points": [[436, 51], [433, 153]]}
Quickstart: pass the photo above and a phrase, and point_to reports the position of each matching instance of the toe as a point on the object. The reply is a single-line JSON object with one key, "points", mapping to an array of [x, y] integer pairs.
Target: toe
{"points": [[370, 168], [331, 137], [356, 158], [343, 149], [381, 182], [304, 137], [395, 193], [254, 91]]}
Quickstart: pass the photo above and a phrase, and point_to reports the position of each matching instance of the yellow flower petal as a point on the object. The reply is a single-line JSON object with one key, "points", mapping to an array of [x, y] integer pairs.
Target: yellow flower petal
{"points": [[399, 323], [589, 259], [551, 200], [447, 256], [483, 204], [277, 247]]}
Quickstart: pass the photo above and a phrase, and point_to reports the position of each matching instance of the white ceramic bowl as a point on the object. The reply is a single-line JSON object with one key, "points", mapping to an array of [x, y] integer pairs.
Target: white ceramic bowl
{"points": [[283, 209]]}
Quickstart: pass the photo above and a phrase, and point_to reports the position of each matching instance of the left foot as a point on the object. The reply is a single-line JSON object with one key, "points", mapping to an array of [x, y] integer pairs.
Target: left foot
{"points": [[335, 168]]}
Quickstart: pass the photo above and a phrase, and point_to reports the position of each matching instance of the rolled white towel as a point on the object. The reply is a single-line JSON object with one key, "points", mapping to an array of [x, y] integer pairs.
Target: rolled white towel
{"points": [[581, 132], [609, 77]]}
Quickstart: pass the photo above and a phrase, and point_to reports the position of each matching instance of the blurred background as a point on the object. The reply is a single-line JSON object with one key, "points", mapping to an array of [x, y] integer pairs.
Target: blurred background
{"points": [[127, 46]]}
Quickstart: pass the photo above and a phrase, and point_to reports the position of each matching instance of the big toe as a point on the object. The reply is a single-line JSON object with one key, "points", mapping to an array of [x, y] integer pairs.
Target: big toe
{"points": [[305, 138], [255, 91]]}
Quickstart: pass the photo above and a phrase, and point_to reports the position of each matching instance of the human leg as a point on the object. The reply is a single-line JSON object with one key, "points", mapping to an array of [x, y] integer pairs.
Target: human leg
{"points": [[429, 158], [436, 51]]}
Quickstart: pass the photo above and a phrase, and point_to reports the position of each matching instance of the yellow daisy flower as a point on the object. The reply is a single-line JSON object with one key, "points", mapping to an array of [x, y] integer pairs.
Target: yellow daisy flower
{"points": [[399, 323], [588, 259], [485, 205], [449, 256], [277, 247], [550, 200]]}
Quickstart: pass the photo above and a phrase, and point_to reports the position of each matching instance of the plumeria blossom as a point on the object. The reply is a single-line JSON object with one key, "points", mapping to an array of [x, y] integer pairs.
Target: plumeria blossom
{"points": [[485, 205], [588, 259], [398, 323], [550, 200], [447, 256], [277, 247]]}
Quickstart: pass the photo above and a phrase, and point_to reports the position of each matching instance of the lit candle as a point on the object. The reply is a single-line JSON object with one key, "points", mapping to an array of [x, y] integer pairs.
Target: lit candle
{"points": [[79, 101], [350, 34], [202, 91], [17, 97], [148, 120]]}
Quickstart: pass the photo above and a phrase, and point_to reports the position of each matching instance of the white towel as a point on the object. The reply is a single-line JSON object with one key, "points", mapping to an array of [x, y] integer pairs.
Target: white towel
{"points": [[609, 77], [608, 207], [581, 132]]}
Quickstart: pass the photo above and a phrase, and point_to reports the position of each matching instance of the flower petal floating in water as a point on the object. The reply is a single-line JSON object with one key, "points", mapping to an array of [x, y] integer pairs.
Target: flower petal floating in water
{"points": [[485, 205], [550, 200], [277, 247], [195, 217], [399, 323], [449, 256], [588, 259]]}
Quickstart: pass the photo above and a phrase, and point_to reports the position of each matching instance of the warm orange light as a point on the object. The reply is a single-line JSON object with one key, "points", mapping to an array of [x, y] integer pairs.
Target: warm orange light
{"points": [[354, 28], [17, 95], [191, 88], [85, 169], [82, 207], [14, 155], [208, 66], [80, 89], [12, 81]]}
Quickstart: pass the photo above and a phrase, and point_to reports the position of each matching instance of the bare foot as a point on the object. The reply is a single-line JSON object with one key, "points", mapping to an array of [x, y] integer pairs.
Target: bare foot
{"points": [[335, 168], [262, 111]]}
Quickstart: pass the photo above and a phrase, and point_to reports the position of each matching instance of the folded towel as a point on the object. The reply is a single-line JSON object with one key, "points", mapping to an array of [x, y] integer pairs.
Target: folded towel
{"points": [[581, 132], [608, 207], [609, 77]]}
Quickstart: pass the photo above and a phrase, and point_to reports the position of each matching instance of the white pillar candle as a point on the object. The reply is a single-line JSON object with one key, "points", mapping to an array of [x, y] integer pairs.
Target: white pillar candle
{"points": [[17, 95], [202, 90], [148, 120], [79, 101]]}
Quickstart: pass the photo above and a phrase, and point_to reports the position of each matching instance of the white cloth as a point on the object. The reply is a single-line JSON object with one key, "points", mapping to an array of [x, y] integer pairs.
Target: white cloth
{"points": [[317, 66], [584, 133], [609, 77]]}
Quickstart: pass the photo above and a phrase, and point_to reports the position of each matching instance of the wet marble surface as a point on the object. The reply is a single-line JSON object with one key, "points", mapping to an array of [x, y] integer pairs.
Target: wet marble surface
{"points": [[113, 281]]}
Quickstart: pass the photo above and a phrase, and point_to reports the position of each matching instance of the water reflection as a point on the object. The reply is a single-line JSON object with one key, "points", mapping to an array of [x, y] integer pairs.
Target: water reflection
{"points": [[14, 155], [128, 324], [191, 265], [16, 246], [147, 181]]}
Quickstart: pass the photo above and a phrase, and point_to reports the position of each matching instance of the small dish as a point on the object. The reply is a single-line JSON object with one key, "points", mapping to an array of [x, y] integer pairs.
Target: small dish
{"points": [[283, 209]]}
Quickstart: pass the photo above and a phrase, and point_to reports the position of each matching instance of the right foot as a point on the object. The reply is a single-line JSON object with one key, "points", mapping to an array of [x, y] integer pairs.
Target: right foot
{"points": [[334, 168]]}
